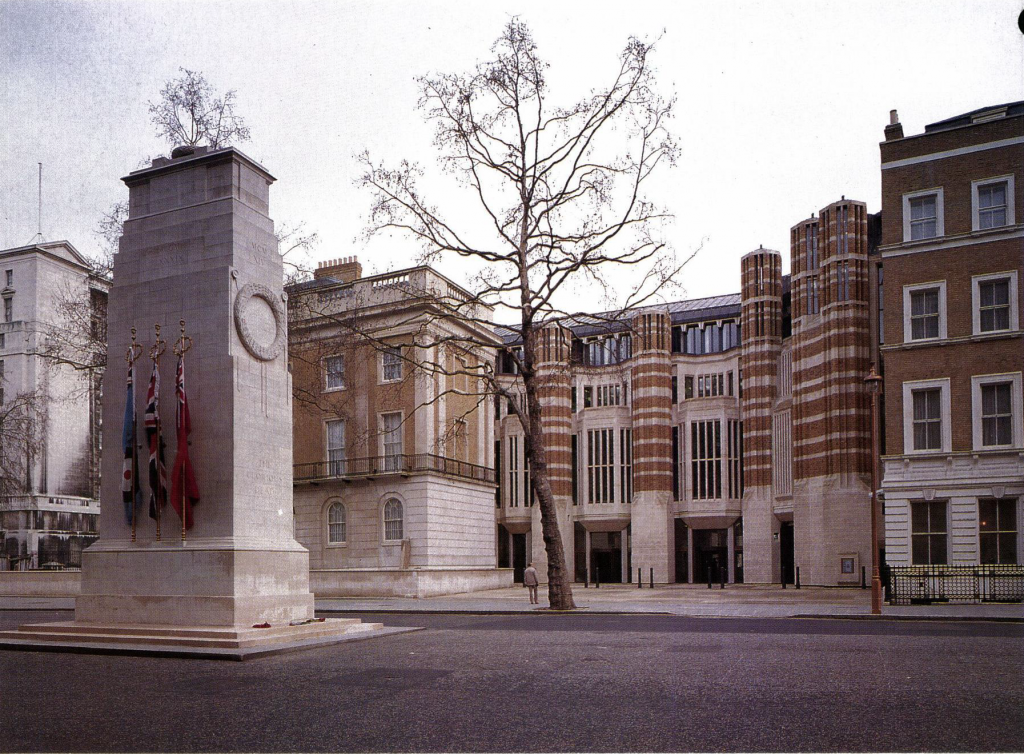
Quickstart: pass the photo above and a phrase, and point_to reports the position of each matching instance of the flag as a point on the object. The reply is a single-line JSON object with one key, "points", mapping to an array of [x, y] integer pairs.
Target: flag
{"points": [[130, 492], [155, 439], [184, 491]]}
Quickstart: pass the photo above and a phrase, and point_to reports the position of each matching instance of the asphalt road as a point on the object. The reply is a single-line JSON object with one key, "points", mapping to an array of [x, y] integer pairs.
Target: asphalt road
{"points": [[543, 683]]}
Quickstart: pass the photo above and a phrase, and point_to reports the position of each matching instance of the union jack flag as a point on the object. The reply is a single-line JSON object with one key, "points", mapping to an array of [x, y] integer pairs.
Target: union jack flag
{"points": [[155, 438]]}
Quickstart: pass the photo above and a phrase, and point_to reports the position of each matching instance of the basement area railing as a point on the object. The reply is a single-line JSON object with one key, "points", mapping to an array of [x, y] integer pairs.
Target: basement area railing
{"points": [[374, 466], [921, 584]]}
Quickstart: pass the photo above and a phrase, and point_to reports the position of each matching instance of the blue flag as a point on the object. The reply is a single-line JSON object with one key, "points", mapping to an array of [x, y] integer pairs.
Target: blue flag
{"points": [[131, 493]]}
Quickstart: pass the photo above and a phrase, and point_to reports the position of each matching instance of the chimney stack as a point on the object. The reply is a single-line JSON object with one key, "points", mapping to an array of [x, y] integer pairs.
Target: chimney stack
{"points": [[344, 270], [894, 130]]}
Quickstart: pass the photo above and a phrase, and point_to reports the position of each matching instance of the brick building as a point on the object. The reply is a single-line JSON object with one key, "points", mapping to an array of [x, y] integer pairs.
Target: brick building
{"points": [[393, 485], [700, 454], [953, 347]]}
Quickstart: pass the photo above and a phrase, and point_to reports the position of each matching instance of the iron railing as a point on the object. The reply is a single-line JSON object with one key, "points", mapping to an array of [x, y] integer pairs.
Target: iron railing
{"points": [[922, 584], [373, 466]]}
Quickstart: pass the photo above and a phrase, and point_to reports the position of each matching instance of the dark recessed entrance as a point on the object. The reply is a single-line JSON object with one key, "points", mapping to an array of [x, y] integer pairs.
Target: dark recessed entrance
{"points": [[786, 552], [710, 555], [518, 557], [682, 553], [606, 556]]}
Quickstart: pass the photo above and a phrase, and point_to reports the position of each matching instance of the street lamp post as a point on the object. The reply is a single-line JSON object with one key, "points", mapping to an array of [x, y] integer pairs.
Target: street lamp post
{"points": [[874, 382]]}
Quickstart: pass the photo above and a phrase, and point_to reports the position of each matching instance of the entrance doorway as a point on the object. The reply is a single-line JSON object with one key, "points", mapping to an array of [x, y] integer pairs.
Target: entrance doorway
{"points": [[606, 556], [786, 552], [710, 555], [682, 553], [579, 546], [518, 557], [504, 554]]}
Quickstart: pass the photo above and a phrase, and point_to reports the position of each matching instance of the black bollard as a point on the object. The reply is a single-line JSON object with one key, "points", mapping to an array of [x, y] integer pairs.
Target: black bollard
{"points": [[721, 578], [863, 578], [639, 577], [783, 579], [709, 577], [586, 578], [597, 577], [652, 578], [797, 577]]}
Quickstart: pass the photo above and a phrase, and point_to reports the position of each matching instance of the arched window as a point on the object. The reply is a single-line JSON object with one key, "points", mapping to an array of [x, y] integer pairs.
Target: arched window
{"points": [[336, 524], [393, 519]]}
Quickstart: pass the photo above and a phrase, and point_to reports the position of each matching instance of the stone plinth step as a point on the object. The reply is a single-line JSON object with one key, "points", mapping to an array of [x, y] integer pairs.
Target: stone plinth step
{"points": [[212, 642]]}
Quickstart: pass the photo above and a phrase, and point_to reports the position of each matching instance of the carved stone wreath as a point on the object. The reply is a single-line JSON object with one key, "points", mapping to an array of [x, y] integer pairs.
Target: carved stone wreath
{"points": [[246, 326]]}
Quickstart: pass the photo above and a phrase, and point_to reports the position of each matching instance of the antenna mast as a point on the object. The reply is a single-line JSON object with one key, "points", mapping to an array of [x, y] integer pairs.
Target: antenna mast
{"points": [[38, 237]]}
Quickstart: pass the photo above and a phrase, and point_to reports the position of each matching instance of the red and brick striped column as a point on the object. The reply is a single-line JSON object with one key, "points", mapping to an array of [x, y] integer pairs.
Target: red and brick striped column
{"points": [[651, 404], [761, 327], [554, 391]]}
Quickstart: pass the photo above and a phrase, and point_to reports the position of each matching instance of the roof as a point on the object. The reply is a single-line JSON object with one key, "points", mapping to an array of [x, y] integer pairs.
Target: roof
{"points": [[52, 248], [1008, 110], [680, 312]]}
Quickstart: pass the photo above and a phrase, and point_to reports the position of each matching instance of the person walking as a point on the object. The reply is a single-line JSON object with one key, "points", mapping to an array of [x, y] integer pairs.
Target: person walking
{"points": [[531, 581]]}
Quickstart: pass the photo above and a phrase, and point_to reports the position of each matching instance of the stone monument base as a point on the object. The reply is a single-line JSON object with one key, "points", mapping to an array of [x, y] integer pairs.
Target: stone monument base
{"points": [[201, 582], [210, 642]]}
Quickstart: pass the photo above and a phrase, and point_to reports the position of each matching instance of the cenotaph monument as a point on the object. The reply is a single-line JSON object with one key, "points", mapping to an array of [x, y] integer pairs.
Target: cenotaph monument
{"points": [[198, 256]]}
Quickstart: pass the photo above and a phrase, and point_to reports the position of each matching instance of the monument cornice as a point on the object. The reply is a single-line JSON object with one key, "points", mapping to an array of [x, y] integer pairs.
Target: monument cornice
{"points": [[171, 165]]}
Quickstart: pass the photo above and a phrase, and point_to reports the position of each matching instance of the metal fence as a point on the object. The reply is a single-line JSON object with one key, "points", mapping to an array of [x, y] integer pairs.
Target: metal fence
{"points": [[921, 584], [371, 466]]}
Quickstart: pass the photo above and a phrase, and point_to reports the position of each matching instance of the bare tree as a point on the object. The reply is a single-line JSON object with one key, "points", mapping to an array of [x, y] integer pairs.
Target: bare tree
{"points": [[562, 192], [190, 113], [20, 440]]}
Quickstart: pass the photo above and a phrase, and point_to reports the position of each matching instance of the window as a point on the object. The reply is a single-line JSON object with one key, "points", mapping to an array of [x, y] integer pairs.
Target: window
{"points": [[881, 307], [626, 464], [588, 396], [575, 470], [497, 474], [813, 304], [687, 387], [392, 363], [392, 434], [677, 487], [9, 275], [393, 520], [995, 302], [336, 524], [601, 465], [923, 218], [335, 366], [675, 390], [928, 533], [812, 248], [924, 314], [996, 416], [922, 215], [927, 419], [8, 308], [513, 472], [336, 447], [992, 200], [997, 531], [609, 395], [926, 416], [2, 343], [706, 459], [924, 311], [843, 273], [572, 401], [735, 455], [996, 410]]}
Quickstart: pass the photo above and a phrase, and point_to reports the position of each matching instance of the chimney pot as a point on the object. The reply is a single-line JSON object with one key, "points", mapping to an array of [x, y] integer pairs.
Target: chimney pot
{"points": [[893, 118]]}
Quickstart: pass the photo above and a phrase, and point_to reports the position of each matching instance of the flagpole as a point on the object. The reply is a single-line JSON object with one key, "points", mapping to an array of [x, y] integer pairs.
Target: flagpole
{"points": [[155, 353], [180, 348], [134, 350]]}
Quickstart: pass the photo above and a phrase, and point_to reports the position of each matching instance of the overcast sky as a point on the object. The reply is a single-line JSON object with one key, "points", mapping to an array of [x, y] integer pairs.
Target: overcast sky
{"points": [[781, 105]]}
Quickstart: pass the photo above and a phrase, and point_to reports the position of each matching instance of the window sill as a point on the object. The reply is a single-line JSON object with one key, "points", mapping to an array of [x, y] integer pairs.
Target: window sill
{"points": [[976, 338]]}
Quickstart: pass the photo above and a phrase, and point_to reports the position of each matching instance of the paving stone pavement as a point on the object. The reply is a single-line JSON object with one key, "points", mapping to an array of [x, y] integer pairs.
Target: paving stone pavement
{"points": [[736, 600]]}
